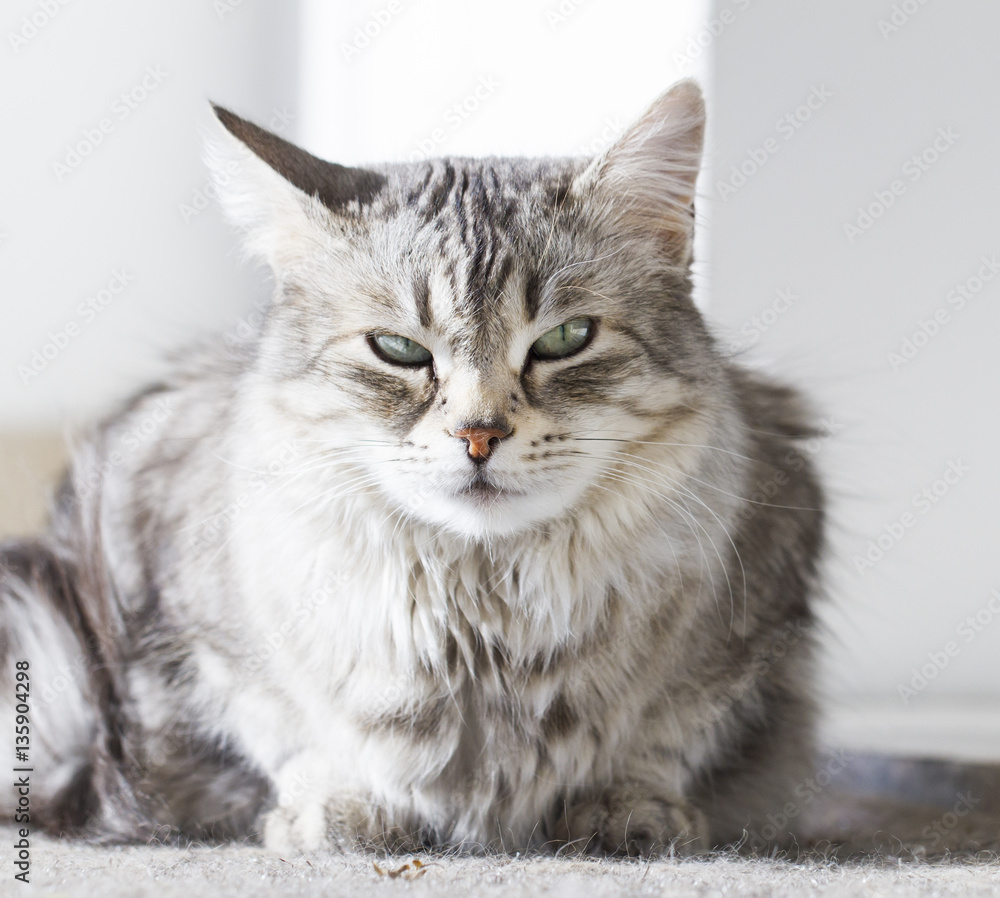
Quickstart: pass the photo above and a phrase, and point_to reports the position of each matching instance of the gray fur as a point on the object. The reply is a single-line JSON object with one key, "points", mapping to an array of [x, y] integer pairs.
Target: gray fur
{"points": [[292, 607]]}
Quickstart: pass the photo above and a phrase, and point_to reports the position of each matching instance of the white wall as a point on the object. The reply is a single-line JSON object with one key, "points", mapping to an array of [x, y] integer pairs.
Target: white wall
{"points": [[860, 295], [411, 79], [65, 233], [382, 81]]}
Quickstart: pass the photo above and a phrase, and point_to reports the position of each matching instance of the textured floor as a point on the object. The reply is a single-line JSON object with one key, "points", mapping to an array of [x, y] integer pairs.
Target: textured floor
{"points": [[72, 870], [894, 821]]}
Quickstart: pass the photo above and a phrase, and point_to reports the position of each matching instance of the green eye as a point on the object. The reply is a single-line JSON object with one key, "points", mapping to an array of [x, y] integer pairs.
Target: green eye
{"points": [[564, 340], [399, 350]]}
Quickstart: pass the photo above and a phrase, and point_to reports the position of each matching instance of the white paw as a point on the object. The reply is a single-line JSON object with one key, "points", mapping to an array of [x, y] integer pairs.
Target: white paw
{"points": [[296, 828]]}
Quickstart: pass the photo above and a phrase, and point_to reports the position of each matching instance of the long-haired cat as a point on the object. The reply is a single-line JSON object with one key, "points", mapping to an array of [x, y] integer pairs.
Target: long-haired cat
{"points": [[459, 549]]}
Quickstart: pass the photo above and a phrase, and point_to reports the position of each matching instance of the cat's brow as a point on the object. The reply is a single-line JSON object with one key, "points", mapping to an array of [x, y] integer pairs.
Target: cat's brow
{"points": [[422, 300]]}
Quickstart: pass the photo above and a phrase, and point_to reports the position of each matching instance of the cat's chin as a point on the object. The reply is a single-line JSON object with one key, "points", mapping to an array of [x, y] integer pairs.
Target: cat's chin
{"points": [[487, 513]]}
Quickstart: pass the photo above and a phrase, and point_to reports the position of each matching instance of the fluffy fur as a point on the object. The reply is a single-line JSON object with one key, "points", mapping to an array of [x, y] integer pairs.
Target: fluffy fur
{"points": [[283, 600]]}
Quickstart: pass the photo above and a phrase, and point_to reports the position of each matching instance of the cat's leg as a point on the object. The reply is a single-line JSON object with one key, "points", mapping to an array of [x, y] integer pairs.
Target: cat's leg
{"points": [[758, 792], [297, 819], [631, 819], [754, 794]]}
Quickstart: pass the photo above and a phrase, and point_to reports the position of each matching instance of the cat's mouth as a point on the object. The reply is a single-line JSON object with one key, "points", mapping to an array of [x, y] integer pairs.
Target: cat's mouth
{"points": [[483, 489]]}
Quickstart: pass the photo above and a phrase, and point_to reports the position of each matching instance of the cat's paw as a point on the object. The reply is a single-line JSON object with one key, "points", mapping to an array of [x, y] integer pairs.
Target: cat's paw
{"points": [[345, 822], [295, 828], [632, 822]]}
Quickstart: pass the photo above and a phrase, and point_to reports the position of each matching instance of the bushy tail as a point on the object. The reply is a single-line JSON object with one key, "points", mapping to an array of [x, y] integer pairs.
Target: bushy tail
{"points": [[51, 655]]}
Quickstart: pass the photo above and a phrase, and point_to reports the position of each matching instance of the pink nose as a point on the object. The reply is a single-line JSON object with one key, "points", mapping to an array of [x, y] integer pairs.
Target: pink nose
{"points": [[480, 439]]}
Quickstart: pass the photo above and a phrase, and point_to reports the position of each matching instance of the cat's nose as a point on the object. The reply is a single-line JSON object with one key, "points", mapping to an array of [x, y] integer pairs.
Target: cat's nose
{"points": [[482, 439]]}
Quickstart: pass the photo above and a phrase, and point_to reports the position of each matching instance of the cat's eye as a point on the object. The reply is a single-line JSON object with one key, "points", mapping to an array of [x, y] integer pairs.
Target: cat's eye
{"points": [[565, 340], [399, 350]]}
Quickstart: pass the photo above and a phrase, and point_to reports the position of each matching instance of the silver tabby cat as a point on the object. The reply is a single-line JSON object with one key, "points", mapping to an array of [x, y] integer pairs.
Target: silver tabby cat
{"points": [[479, 540]]}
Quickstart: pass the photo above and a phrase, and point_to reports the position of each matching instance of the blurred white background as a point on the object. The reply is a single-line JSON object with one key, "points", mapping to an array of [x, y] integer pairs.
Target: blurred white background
{"points": [[849, 203]]}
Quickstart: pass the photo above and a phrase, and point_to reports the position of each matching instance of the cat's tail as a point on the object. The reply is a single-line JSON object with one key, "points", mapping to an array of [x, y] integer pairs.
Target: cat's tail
{"points": [[58, 699]]}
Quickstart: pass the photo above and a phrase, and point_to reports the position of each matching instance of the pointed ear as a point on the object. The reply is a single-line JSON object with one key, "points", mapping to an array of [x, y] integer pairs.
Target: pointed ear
{"points": [[646, 180], [278, 194]]}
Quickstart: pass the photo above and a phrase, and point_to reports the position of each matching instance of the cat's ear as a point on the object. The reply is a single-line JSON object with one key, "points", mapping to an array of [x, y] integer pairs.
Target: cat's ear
{"points": [[278, 194], [646, 181]]}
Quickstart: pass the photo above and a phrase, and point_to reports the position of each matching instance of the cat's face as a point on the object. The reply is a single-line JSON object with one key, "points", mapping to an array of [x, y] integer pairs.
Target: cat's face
{"points": [[481, 341]]}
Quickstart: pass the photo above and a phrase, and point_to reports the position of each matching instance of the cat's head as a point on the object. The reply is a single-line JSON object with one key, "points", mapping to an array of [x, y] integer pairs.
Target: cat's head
{"points": [[485, 342]]}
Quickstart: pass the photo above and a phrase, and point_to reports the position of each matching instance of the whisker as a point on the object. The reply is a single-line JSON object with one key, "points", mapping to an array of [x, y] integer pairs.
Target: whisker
{"points": [[688, 518], [648, 512], [665, 443], [684, 491], [704, 483]]}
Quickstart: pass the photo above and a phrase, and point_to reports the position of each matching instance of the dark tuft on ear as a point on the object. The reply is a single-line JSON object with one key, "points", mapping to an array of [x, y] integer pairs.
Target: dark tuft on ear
{"points": [[334, 185]]}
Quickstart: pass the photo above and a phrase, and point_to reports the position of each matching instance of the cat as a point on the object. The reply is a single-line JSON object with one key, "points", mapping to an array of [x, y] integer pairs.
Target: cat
{"points": [[457, 549]]}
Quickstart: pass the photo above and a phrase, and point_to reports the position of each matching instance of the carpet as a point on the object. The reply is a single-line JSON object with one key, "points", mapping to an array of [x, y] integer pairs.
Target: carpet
{"points": [[883, 826]]}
